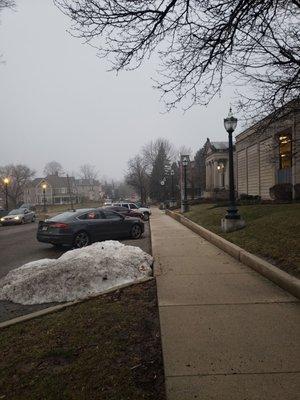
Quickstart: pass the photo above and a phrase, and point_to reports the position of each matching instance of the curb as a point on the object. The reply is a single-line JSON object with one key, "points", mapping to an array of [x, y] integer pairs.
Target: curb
{"points": [[274, 274], [59, 307]]}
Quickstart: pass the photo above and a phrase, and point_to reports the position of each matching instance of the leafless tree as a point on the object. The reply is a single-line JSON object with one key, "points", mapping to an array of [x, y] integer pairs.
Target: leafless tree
{"points": [[7, 4], [88, 171], [185, 150], [201, 44], [19, 176], [151, 149], [53, 168], [137, 176]]}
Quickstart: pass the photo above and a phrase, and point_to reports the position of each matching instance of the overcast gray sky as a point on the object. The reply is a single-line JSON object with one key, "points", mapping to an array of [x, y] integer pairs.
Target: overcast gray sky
{"points": [[57, 102]]}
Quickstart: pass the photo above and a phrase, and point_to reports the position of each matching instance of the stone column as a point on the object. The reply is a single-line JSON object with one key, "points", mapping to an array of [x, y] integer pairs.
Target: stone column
{"points": [[207, 176], [211, 177], [216, 174]]}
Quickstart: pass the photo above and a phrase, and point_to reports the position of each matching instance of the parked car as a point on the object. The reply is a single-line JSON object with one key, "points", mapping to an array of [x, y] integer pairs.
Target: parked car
{"points": [[18, 216], [126, 211], [3, 212], [132, 206], [108, 203], [28, 206], [82, 227]]}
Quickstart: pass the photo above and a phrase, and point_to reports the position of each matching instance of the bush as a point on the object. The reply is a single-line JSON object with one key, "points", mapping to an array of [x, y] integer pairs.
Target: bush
{"points": [[282, 192], [194, 202], [297, 191], [249, 199], [244, 196], [161, 206], [220, 194]]}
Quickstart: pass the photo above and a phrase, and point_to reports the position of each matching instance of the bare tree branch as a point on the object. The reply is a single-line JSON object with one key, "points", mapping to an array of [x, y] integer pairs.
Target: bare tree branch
{"points": [[88, 171], [201, 44], [53, 168]]}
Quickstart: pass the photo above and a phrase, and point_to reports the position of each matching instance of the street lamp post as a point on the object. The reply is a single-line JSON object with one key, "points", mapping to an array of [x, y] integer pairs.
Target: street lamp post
{"points": [[6, 182], [184, 202], [172, 185], [167, 173], [44, 187], [163, 185], [232, 220]]}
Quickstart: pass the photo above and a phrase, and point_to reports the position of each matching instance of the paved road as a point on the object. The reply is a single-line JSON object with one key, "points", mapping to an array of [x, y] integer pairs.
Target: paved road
{"points": [[18, 246]]}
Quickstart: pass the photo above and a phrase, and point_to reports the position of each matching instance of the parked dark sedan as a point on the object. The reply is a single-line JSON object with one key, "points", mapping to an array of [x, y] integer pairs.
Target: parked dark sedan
{"points": [[126, 211], [82, 227]]}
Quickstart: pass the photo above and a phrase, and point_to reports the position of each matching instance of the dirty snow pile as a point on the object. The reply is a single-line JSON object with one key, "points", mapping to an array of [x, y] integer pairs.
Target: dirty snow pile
{"points": [[77, 274]]}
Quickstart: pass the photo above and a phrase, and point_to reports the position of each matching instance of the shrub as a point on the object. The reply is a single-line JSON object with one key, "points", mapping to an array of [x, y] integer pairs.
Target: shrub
{"points": [[297, 191], [244, 196], [220, 194], [161, 206], [282, 192], [193, 202], [249, 199]]}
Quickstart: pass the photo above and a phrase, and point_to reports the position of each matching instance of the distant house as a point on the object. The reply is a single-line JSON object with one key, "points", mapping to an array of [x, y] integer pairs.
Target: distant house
{"points": [[268, 153], [89, 189], [216, 167], [59, 190]]}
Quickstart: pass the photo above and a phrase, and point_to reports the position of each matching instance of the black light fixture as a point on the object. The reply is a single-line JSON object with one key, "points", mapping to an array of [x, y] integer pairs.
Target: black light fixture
{"points": [[6, 182], [230, 124], [184, 202], [163, 185], [172, 185], [44, 187]]}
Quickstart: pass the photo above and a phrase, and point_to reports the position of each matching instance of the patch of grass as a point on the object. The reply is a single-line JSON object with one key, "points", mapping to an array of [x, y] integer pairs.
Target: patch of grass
{"points": [[272, 231], [105, 348]]}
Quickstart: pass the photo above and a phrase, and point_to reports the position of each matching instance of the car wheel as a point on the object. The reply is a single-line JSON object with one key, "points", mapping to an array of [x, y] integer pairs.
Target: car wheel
{"points": [[33, 219], [136, 232], [146, 216], [81, 239], [23, 221]]}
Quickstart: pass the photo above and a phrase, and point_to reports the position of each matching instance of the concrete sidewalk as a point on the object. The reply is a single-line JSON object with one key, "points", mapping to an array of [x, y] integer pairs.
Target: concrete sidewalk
{"points": [[227, 332]]}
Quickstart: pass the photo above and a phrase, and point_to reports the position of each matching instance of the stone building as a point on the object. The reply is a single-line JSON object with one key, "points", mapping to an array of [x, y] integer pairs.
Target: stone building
{"points": [[268, 153], [216, 167]]}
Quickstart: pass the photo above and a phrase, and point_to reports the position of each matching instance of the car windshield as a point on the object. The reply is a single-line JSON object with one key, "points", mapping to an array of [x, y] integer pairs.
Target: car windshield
{"points": [[16, 212]]}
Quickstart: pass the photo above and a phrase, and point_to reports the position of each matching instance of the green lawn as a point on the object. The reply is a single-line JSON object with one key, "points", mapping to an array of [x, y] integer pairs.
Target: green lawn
{"points": [[107, 348], [272, 231]]}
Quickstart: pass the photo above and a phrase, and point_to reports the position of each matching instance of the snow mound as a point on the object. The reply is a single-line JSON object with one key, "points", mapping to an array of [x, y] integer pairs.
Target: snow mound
{"points": [[77, 274]]}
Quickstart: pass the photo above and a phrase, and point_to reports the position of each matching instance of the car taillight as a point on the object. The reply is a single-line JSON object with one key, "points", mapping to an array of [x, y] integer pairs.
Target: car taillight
{"points": [[59, 225]]}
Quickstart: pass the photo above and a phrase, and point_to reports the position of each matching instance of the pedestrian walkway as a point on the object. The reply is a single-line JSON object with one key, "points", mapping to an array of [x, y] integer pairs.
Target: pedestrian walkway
{"points": [[227, 332]]}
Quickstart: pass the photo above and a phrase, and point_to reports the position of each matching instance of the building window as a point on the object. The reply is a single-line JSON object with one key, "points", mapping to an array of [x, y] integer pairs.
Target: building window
{"points": [[285, 151]]}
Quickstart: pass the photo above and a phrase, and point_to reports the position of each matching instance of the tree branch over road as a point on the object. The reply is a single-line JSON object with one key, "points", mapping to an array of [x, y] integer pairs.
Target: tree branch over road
{"points": [[201, 44]]}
